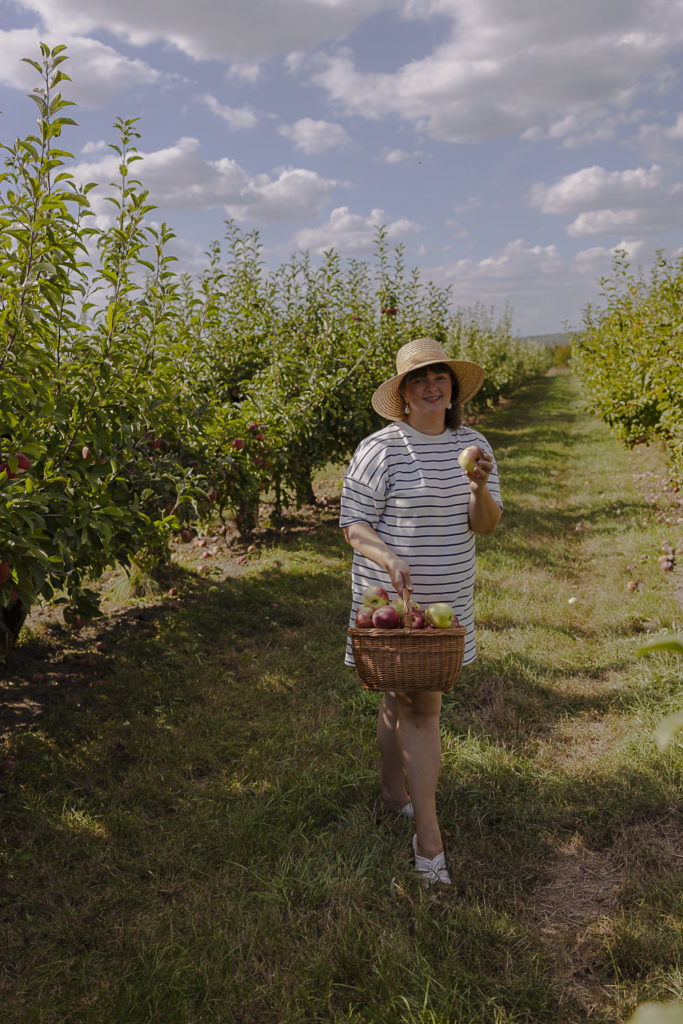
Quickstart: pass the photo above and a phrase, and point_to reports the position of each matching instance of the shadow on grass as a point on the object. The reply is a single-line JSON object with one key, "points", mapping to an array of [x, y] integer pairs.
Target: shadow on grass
{"points": [[195, 838]]}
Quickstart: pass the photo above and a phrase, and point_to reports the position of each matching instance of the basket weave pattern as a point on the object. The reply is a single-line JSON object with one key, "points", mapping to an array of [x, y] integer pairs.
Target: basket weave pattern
{"points": [[408, 659]]}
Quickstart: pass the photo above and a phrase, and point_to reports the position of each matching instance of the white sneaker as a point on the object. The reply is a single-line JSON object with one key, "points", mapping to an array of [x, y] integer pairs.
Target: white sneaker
{"points": [[431, 872]]}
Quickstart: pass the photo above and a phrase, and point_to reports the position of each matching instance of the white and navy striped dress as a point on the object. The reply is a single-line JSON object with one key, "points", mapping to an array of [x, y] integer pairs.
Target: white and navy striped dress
{"points": [[409, 487]]}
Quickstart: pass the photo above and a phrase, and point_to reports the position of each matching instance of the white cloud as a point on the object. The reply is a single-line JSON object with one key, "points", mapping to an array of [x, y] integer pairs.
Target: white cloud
{"points": [[594, 262], [98, 71], [242, 31], [179, 177], [537, 280], [594, 188], [582, 129], [661, 142], [315, 136], [501, 68], [244, 71], [509, 67], [95, 146], [397, 156], [236, 117], [296, 194], [631, 202], [348, 232]]}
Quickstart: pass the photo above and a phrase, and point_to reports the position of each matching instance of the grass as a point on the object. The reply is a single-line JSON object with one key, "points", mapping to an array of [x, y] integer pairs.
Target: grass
{"points": [[188, 830]]}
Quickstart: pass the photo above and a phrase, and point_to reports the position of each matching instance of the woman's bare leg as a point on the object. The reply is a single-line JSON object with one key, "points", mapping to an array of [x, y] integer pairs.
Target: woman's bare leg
{"points": [[393, 779], [419, 742]]}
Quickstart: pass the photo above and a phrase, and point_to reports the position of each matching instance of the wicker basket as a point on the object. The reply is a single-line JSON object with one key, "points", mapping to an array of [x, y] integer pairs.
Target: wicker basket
{"points": [[408, 659]]}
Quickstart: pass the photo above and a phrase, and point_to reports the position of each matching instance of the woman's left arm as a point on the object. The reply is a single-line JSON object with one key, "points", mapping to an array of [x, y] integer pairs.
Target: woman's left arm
{"points": [[484, 511]]}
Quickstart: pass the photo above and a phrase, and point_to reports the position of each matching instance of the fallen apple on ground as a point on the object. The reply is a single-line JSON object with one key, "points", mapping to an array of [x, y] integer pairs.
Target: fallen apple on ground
{"points": [[467, 458]]}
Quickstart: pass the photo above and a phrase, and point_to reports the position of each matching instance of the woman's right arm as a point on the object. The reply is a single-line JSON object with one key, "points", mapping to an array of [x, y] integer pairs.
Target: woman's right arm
{"points": [[368, 543]]}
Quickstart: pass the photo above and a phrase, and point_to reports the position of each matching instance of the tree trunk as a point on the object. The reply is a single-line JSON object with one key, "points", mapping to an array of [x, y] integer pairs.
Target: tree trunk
{"points": [[12, 618]]}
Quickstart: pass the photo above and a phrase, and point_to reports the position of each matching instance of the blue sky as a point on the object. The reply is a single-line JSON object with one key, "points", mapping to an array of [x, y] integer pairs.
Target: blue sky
{"points": [[510, 145]]}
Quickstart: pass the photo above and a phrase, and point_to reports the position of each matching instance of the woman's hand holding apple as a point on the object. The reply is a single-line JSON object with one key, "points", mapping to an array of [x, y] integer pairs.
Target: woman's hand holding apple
{"points": [[482, 469]]}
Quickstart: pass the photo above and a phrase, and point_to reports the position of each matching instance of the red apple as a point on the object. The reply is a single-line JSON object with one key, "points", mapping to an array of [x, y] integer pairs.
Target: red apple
{"points": [[23, 461], [364, 617], [186, 535], [213, 494], [468, 457], [238, 444], [5, 570], [385, 617], [375, 597], [73, 619], [418, 621]]}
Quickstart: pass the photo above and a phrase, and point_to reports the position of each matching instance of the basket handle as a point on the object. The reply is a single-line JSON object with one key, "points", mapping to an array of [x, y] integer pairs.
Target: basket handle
{"points": [[408, 610]]}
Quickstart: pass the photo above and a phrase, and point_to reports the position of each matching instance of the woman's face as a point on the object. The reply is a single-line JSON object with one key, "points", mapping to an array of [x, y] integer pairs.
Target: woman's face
{"points": [[428, 389]]}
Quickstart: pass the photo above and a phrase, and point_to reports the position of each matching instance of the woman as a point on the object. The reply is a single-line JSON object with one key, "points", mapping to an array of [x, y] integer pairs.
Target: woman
{"points": [[410, 513]]}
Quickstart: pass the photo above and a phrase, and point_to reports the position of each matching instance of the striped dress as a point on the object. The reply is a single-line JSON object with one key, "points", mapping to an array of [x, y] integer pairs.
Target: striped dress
{"points": [[409, 487]]}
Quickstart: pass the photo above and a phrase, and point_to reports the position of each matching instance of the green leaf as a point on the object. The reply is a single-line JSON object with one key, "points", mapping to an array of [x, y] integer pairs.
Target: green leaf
{"points": [[672, 642], [668, 728], [658, 1013]]}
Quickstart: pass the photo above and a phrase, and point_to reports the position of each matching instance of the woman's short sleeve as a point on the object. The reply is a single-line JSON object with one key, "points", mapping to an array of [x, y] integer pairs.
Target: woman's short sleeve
{"points": [[365, 484]]}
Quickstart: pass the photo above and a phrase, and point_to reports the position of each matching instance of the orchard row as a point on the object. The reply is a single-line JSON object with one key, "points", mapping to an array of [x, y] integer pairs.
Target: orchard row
{"points": [[629, 356], [137, 402]]}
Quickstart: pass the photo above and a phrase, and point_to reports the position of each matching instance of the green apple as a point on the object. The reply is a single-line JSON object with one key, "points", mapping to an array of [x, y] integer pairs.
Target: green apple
{"points": [[468, 457], [441, 615], [375, 597], [401, 608]]}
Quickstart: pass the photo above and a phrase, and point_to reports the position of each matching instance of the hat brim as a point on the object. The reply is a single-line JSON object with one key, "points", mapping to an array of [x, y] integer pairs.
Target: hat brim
{"points": [[388, 402]]}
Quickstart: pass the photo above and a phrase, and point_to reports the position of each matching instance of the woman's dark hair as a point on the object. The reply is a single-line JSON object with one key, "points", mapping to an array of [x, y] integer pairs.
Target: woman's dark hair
{"points": [[454, 414]]}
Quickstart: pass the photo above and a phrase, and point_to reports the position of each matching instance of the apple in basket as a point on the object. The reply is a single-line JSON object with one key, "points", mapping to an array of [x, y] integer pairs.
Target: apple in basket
{"points": [[375, 597], [364, 617], [441, 615], [468, 457], [401, 608], [385, 617]]}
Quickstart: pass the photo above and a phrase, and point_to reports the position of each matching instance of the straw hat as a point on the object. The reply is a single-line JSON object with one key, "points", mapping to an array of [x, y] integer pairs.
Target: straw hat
{"points": [[421, 352]]}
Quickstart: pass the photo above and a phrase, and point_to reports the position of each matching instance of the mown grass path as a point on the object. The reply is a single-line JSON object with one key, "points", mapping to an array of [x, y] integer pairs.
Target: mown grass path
{"points": [[195, 839]]}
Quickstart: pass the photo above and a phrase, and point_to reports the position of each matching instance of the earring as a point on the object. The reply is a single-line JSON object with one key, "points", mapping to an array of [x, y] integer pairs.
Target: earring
{"points": [[450, 405], [406, 408]]}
